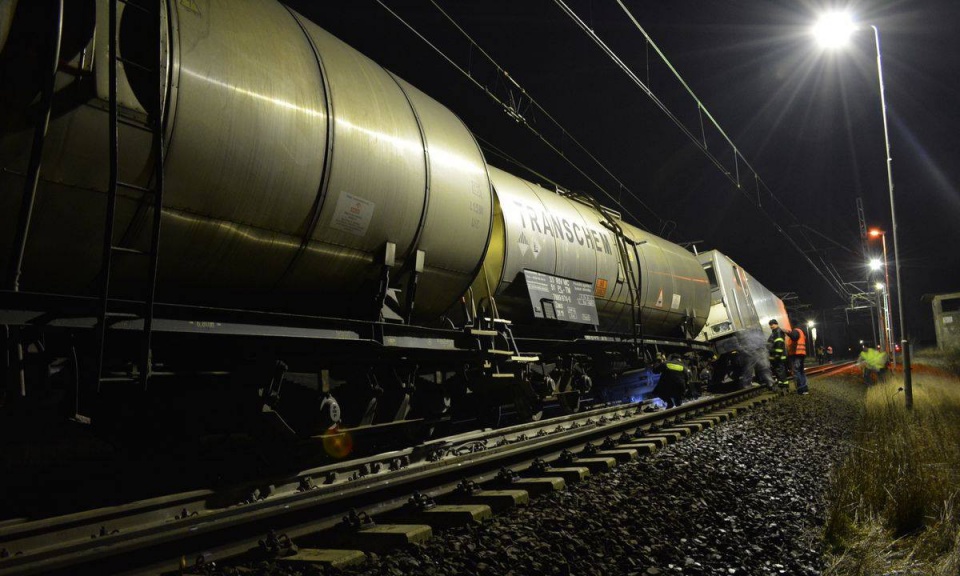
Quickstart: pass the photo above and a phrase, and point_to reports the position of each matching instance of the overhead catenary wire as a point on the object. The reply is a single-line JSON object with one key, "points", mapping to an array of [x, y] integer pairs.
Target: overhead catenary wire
{"points": [[511, 108], [664, 223], [491, 148], [734, 176]]}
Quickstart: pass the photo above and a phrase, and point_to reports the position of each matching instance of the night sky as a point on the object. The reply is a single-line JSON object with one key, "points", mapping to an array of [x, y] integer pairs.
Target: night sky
{"points": [[808, 122]]}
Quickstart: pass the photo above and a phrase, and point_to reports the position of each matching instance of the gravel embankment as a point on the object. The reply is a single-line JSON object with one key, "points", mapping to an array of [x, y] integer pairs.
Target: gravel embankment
{"points": [[742, 498]]}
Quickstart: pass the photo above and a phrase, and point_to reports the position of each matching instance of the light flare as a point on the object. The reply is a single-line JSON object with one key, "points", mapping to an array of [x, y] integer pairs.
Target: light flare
{"points": [[834, 29]]}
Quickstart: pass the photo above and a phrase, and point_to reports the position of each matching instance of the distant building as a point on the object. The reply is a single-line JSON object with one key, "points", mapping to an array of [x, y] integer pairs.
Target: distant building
{"points": [[946, 319]]}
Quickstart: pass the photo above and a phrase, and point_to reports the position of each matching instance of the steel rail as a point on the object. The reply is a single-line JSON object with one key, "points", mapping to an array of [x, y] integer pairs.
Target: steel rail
{"points": [[199, 523], [830, 369]]}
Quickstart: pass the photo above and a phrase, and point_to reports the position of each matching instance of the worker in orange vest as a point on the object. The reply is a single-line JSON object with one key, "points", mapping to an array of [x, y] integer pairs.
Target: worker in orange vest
{"points": [[796, 355]]}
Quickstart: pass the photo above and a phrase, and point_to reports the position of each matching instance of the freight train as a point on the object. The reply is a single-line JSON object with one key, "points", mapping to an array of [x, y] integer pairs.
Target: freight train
{"points": [[219, 213]]}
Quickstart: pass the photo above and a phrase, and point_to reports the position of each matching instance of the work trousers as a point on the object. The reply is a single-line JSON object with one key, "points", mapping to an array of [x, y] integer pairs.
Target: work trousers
{"points": [[779, 368], [796, 366], [755, 364]]}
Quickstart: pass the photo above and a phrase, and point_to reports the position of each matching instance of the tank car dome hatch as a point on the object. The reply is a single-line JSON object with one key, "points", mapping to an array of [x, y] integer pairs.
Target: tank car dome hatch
{"points": [[292, 162]]}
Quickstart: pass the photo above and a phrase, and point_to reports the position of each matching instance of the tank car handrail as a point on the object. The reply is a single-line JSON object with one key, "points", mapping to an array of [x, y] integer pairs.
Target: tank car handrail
{"points": [[36, 155], [592, 203], [633, 285]]}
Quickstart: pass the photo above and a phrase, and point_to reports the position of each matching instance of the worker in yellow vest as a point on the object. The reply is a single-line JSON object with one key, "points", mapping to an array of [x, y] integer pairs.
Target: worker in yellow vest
{"points": [[872, 363], [673, 380]]}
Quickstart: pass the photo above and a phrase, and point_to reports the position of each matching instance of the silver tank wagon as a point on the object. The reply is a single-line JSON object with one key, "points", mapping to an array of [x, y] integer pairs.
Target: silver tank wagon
{"points": [[540, 230], [292, 161]]}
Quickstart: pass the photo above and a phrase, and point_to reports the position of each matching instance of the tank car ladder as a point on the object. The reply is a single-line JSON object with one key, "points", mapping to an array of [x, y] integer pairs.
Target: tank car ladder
{"points": [[11, 342], [633, 283], [110, 249]]}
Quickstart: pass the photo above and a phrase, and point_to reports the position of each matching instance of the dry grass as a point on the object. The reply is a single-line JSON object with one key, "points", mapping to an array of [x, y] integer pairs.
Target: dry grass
{"points": [[895, 502], [947, 359]]}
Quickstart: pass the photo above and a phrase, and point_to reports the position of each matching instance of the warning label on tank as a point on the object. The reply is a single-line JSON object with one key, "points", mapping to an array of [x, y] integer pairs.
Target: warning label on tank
{"points": [[352, 214], [525, 245], [601, 288], [676, 302]]}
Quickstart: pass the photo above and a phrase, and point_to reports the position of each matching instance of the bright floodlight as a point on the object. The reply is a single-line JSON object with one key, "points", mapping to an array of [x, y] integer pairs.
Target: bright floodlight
{"points": [[879, 286], [875, 264], [875, 232], [810, 323], [834, 29]]}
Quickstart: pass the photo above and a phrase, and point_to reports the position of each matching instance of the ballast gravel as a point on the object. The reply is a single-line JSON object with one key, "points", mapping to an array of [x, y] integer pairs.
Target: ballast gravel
{"points": [[746, 497]]}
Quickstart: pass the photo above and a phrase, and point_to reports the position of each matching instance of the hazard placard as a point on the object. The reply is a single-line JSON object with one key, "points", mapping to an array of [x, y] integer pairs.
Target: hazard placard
{"points": [[660, 299], [601, 288]]}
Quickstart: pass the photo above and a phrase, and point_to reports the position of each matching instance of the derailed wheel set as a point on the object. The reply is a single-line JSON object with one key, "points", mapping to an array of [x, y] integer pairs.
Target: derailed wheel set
{"points": [[336, 513]]}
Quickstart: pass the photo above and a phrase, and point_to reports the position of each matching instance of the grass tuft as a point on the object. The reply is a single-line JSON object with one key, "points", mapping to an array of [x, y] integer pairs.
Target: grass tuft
{"points": [[894, 504], [948, 359]]}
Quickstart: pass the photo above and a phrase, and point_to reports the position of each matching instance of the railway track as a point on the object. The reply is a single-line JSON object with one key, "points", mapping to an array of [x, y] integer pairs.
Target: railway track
{"points": [[152, 536], [830, 369]]}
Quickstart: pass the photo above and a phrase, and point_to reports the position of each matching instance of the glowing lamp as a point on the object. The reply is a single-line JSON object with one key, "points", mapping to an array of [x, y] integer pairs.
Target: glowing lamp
{"points": [[834, 29]]}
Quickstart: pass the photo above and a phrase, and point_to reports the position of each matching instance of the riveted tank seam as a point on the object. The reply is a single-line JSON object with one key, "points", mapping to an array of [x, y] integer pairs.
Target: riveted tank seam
{"points": [[491, 208], [533, 192], [173, 71], [415, 244], [322, 190], [556, 243]]}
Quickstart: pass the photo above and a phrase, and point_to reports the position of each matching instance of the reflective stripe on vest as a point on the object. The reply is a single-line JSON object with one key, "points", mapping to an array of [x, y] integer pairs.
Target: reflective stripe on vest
{"points": [[674, 367], [798, 347]]}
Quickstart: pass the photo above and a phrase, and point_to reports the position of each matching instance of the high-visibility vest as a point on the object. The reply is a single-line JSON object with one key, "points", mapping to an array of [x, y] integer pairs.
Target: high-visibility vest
{"points": [[797, 347], [873, 359], [674, 366], [778, 351], [778, 347]]}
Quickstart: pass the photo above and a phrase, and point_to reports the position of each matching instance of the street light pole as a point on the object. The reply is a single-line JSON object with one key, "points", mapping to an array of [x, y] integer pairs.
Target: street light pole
{"points": [[905, 345], [883, 301], [886, 299], [882, 324], [833, 30], [813, 337]]}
